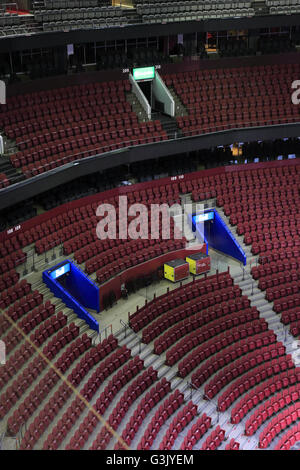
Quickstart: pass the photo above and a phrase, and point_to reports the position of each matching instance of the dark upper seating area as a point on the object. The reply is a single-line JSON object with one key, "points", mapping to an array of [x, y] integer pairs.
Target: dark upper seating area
{"points": [[157, 12], [87, 17], [13, 24], [60, 15]]}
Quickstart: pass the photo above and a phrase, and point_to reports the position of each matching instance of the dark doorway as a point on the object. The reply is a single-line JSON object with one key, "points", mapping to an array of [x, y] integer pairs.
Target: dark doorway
{"points": [[146, 88]]}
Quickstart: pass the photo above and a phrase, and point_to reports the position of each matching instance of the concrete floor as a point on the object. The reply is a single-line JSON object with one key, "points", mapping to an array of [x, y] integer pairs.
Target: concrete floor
{"points": [[110, 319]]}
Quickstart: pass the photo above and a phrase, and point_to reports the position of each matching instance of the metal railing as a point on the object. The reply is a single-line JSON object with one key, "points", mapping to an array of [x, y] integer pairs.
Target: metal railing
{"points": [[74, 158]]}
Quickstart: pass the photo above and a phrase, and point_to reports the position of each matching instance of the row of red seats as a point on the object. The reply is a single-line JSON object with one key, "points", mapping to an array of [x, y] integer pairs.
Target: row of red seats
{"points": [[4, 181], [188, 309], [214, 440], [266, 223], [178, 296], [64, 122], [214, 344], [252, 378], [86, 245], [247, 403], [135, 389], [24, 380], [264, 205], [265, 235], [162, 323], [272, 236], [286, 302], [51, 326], [117, 125], [231, 89], [232, 110], [179, 422], [267, 269], [242, 92], [52, 408], [129, 248], [289, 439], [166, 409], [213, 74], [232, 77], [196, 432], [194, 322], [243, 180], [10, 278], [136, 258], [240, 216], [227, 355], [232, 445], [51, 119], [242, 196], [74, 152], [242, 365], [30, 241], [28, 323], [210, 123], [289, 243], [36, 148], [283, 290], [278, 255], [240, 184], [45, 386], [50, 110], [271, 407], [12, 260], [14, 363], [278, 424], [44, 145], [278, 279], [63, 234], [106, 367], [295, 328], [290, 316], [228, 95], [66, 126], [20, 289], [68, 217], [119, 380], [157, 393], [58, 94], [19, 309]]}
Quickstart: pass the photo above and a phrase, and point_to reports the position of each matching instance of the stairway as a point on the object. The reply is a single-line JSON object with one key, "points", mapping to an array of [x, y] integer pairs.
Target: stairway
{"points": [[180, 109], [137, 107], [250, 288], [169, 124], [260, 8], [12, 174]]}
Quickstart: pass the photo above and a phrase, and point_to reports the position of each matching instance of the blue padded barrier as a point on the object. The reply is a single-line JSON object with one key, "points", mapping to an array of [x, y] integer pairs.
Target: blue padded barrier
{"points": [[75, 289]]}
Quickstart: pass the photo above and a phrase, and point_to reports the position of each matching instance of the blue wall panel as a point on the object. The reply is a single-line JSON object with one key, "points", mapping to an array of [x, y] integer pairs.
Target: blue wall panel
{"points": [[83, 289], [75, 290], [218, 236]]}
